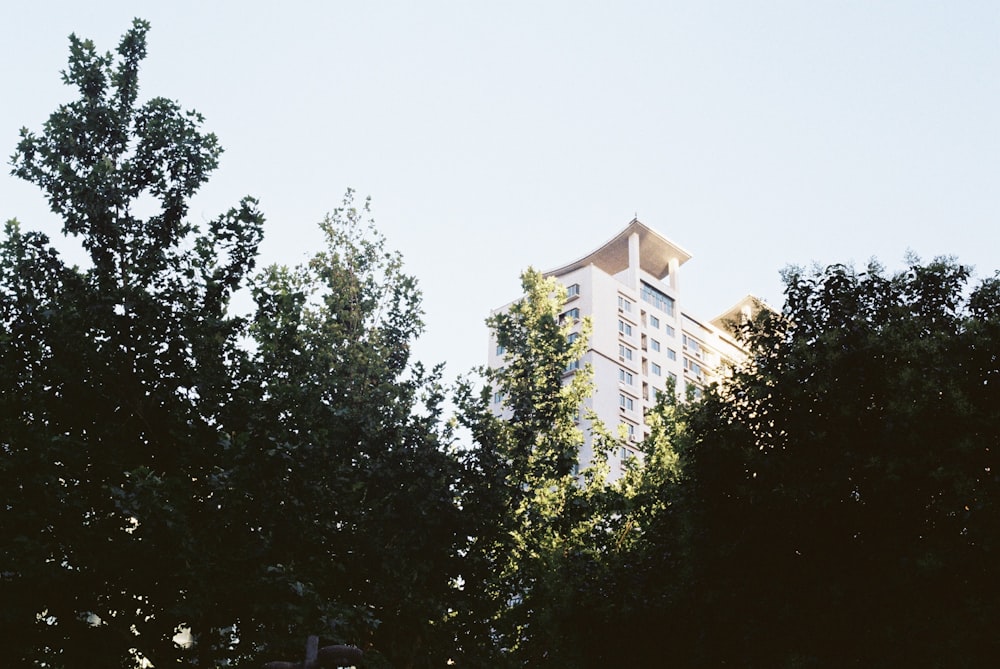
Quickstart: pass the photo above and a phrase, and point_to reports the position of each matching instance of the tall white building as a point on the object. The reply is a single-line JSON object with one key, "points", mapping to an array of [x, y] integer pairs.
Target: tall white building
{"points": [[642, 338]]}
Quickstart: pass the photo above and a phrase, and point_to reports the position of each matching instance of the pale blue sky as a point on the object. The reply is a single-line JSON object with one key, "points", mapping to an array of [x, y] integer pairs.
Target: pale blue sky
{"points": [[497, 135]]}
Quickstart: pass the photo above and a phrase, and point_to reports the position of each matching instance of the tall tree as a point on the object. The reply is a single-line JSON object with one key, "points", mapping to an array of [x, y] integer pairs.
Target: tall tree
{"points": [[526, 461], [844, 485], [115, 378], [348, 475], [180, 484], [542, 564]]}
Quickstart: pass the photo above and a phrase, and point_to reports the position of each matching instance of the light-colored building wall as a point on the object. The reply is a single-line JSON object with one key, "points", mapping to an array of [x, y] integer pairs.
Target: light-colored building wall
{"points": [[642, 339]]}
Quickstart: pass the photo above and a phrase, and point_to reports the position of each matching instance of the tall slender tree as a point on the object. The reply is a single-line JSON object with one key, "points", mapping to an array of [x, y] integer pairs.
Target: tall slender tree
{"points": [[348, 478], [543, 566]]}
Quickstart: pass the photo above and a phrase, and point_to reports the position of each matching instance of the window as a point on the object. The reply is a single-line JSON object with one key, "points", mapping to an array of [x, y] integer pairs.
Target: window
{"points": [[671, 354], [626, 454], [692, 345], [670, 331], [630, 428], [672, 377], [500, 349], [625, 377], [624, 305], [692, 367], [573, 290], [624, 352], [624, 328], [497, 398], [626, 402], [655, 345], [573, 313], [572, 337], [573, 366], [654, 322], [657, 298], [657, 370]]}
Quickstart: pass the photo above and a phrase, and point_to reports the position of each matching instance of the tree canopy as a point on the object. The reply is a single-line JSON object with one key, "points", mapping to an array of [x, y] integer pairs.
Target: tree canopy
{"points": [[115, 378], [843, 485], [180, 483]]}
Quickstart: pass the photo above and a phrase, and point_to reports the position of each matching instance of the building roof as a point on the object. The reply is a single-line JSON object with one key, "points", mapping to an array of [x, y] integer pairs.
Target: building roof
{"points": [[655, 253], [750, 306]]}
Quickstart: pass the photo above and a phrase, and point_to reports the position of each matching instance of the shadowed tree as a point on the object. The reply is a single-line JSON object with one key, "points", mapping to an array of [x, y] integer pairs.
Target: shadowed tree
{"points": [[115, 378], [345, 468], [166, 467], [843, 488]]}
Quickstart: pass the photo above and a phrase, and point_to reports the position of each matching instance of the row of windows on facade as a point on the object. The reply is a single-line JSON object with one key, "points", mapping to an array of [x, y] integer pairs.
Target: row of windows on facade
{"points": [[649, 294], [626, 402], [626, 352], [656, 299], [626, 377], [626, 328]]}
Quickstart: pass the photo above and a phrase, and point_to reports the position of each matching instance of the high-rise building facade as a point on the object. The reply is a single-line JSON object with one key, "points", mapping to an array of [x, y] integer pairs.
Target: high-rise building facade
{"points": [[643, 341]]}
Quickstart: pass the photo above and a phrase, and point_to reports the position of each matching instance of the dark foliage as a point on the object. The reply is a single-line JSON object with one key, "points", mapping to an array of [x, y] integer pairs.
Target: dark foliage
{"points": [[167, 467], [843, 488]]}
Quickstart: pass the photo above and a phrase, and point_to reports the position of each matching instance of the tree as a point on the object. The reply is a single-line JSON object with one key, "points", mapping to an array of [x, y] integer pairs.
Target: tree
{"points": [[843, 487], [346, 476], [115, 377], [181, 484], [543, 566], [645, 603], [525, 464]]}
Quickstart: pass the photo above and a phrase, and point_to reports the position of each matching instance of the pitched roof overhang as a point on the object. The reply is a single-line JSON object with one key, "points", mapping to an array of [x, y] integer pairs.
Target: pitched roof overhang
{"points": [[655, 253]]}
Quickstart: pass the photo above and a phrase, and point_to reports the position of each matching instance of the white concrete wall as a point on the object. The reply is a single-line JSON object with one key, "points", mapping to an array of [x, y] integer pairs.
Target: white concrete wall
{"points": [[599, 299]]}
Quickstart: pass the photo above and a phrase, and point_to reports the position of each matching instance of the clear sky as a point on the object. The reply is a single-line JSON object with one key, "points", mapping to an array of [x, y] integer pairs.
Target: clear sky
{"points": [[497, 135]]}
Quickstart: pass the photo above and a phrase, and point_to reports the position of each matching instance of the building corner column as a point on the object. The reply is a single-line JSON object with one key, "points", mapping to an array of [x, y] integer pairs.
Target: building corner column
{"points": [[634, 262]]}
